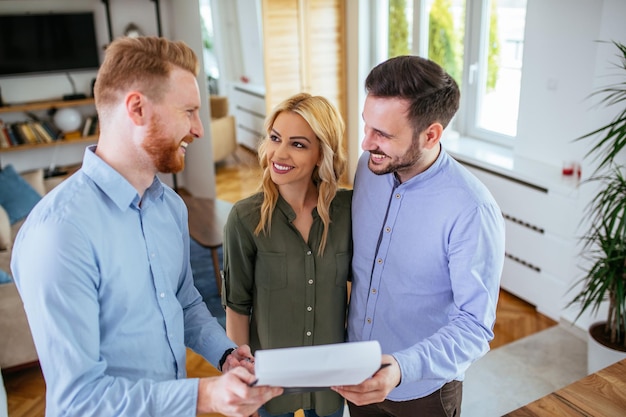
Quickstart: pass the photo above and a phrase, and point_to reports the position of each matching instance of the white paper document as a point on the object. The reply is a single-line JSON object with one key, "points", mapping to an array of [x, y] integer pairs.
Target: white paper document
{"points": [[320, 366]]}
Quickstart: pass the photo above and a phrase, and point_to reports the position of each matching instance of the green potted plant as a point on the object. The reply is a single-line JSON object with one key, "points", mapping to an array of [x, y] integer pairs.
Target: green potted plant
{"points": [[604, 241]]}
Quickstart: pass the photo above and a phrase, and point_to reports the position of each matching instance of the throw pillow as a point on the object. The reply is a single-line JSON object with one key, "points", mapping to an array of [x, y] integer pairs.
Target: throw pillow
{"points": [[16, 195], [35, 179], [5, 230], [4, 277]]}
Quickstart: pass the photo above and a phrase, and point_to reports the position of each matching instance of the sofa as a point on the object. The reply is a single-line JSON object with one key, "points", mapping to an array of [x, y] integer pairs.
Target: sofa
{"points": [[223, 134], [18, 193]]}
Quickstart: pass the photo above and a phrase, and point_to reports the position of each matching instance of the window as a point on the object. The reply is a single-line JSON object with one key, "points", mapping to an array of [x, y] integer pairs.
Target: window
{"points": [[480, 43]]}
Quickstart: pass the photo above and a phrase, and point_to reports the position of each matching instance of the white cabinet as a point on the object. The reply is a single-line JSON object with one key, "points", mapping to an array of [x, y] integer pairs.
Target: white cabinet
{"points": [[247, 104]]}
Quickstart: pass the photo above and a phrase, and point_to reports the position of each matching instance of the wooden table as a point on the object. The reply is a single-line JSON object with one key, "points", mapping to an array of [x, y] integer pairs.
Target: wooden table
{"points": [[207, 218], [600, 394]]}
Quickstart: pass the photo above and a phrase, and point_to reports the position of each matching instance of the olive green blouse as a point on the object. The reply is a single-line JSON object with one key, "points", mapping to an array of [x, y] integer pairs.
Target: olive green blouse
{"points": [[295, 297]]}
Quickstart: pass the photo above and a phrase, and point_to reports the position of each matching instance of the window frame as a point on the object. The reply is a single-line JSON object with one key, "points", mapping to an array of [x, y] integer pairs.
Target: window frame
{"points": [[466, 121]]}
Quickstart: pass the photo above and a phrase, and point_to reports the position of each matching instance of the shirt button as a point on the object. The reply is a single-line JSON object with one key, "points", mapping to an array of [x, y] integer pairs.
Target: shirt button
{"points": [[308, 333], [387, 229], [379, 260], [310, 282], [309, 308], [152, 255], [369, 321], [162, 295], [308, 252], [398, 195], [373, 290]]}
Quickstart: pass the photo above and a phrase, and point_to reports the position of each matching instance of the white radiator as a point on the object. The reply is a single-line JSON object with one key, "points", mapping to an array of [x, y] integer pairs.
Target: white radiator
{"points": [[248, 106], [541, 243]]}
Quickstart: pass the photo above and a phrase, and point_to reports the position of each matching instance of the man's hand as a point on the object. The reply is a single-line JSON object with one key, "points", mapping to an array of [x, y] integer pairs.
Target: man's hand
{"points": [[232, 395], [239, 357], [374, 389]]}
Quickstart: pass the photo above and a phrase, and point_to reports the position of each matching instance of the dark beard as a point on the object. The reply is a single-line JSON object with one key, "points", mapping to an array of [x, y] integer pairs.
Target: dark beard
{"points": [[164, 154], [412, 156]]}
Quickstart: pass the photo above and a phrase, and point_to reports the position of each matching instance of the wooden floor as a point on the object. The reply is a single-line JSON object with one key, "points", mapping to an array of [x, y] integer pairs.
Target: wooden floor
{"points": [[235, 179], [600, 394]]}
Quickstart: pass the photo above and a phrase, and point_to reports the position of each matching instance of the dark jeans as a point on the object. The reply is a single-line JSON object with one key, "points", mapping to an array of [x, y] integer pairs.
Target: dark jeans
{"points": [[445, 402]]}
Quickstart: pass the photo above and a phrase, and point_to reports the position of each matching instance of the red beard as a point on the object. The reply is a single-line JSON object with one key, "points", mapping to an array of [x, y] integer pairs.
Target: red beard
{"points": [[164, 152]]}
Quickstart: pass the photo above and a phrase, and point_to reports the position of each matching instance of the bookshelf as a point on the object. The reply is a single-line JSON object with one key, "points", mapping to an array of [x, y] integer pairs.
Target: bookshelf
{"points": [[47, 105]]}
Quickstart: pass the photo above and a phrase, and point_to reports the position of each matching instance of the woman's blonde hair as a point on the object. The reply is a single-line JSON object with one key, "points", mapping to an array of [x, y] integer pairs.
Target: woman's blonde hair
{"points": [[328, 126]]}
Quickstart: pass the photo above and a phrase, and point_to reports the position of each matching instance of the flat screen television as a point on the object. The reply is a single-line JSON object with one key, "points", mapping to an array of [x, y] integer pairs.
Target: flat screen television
{"points": [[52, 42]]}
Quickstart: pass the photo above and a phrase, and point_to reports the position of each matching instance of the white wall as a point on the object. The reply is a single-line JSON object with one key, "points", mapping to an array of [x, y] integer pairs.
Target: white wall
{"points": [[564, 53], [226, 42], [249, 16], [555, 52], [238, 42], [199, 174]]}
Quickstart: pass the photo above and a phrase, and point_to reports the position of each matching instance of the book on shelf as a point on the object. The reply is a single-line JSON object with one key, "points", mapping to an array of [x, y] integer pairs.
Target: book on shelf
{"points": [[94, 126], [35, 133], [29, 127], [38, 138], [5, 142], [27, 133], [41, 132], [19, 135], [52, 129], [16, 136], [15, 141], [90, 127], [87, 125]]}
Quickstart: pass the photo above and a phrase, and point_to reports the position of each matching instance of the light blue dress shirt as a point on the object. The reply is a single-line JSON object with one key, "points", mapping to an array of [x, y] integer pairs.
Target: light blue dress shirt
{"points": [[108, 290], [428, 256]]}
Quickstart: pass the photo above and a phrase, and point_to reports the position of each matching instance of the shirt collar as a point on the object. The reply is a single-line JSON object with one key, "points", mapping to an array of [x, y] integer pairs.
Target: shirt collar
{"points": [[426, 175], [287, 211], [114, 185]]}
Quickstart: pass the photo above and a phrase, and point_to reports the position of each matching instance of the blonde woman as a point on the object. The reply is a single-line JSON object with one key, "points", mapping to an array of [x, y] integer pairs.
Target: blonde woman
{"points": [[287, 249]]}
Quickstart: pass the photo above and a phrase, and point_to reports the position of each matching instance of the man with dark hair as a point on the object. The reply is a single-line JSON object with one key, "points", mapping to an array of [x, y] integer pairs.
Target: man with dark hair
{"points": [[428, 248], [110, 297]]}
